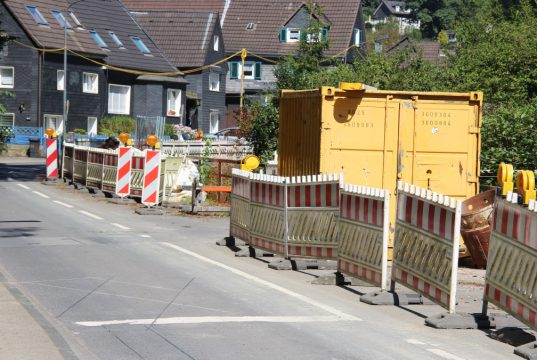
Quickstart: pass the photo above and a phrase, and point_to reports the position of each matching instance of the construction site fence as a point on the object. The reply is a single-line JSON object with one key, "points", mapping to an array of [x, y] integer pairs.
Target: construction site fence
{"points": [[226, 149]]}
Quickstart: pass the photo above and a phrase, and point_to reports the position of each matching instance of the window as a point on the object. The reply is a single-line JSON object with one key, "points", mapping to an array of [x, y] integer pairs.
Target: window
{"points": [[250, 26], [36, 14], [98, 39], [90, 83], [214, 81], [140, 45], [293, 35], [7, 120], [214, 117], [75, 20], [174, 103], [55, 122], [92, 125], [119, 99], [60, 80], [7, 77], [252, 70], [216, 40], [116, 39], [61, 20], [357, 37]]}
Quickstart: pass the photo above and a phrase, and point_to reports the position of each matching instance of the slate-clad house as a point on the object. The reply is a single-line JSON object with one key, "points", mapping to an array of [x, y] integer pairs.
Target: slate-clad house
{"points": [[193, 40], [397, 10], [99, 33]]}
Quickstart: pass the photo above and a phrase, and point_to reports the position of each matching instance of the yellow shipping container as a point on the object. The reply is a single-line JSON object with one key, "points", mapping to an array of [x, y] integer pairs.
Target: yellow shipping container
{"points": [[375, 138]]}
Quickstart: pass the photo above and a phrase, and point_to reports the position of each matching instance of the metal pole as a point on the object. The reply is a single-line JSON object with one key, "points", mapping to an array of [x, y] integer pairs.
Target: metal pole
{"points": [[243, 57]]}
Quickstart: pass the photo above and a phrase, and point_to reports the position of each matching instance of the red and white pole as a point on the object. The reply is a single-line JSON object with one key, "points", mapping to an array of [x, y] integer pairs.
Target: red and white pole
{"points": [[52, 158], [123, 180], [151, 184]]}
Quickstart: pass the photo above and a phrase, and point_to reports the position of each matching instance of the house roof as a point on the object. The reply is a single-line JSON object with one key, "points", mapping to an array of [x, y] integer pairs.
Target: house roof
{"points": [[391, 7], [99, 15], [183, 36], [268, 17], [430, 50]]}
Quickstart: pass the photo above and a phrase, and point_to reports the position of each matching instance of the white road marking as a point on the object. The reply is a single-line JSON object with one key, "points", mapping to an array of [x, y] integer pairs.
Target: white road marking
{"points": [[213, 319], [23, 186], [444, 354], [145, 236], [90, 215], [414, 342], [121, 226], [281, 289], [41, 194], [63, 204]]}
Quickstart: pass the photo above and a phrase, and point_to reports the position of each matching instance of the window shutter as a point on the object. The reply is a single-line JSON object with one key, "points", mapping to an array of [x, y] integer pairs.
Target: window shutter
{"points": [[303, 35], [283, 34], [257, 71], [324, 34], [234, 70]]}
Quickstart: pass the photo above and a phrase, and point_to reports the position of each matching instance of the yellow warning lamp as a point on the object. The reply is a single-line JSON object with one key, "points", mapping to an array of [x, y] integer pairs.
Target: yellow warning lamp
{"points": [[249, 163], [157, 145], [505, 178], [124, 138], [525, 183], [50, 133], [129, 142], [151, 140], [347, 86]]}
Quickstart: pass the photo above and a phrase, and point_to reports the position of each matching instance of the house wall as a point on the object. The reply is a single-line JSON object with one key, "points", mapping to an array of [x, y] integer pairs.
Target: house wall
{"points": [[25, 62], [267, 81]]}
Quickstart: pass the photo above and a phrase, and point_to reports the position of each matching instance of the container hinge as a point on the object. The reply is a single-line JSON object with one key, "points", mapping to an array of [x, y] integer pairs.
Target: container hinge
{"points": [[474, 130]]}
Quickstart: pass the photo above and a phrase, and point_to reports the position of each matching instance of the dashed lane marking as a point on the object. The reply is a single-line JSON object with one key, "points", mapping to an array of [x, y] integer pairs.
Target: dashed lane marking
{"points": [[327, 308], [444, 354], [90, 215], [23, 186], [415, 342], [121, 226], [41, 194], [63, 204], [145, 236]]}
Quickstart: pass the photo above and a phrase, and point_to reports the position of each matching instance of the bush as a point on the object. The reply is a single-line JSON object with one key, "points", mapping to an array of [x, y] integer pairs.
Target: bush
{"points": [[113, 125], [169, 130], [80, 131]]}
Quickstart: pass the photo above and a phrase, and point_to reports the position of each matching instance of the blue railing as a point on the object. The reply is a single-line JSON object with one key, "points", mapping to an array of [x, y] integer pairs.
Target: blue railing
{"points": [[23, 134]]}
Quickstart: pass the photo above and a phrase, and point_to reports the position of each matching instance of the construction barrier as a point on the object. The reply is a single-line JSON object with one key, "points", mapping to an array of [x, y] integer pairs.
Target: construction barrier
{"points": [[511, 275], [151, 184], [295, 216], [363, 234], [67, 161], [123, 179], [239, 218], [52, 158], [426, 246]]}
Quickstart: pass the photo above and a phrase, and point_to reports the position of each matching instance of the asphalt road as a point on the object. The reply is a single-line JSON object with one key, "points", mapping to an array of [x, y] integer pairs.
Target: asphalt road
{"points": [[106, 283]]}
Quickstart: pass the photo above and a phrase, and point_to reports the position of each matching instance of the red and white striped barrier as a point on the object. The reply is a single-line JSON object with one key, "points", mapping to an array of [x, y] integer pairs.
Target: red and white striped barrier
{"points": [[511, 276], [239, 218], [426, 246], [52, 158], [123, 179], [151, 184], [363, 234]]}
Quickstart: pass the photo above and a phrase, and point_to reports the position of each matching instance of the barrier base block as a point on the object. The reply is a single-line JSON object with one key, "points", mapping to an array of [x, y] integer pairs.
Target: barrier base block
{"points": [[381, 297], [230, 241], [252, 252], [52, 181], [336, 278], [122, 201], [527, 351], [79, 186], [149, 211], [303, 264], [458, 321], [499, 321]]}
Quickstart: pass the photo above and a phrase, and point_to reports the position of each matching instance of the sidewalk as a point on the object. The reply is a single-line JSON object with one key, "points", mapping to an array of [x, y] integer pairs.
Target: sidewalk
{"points": [[22, 337]]}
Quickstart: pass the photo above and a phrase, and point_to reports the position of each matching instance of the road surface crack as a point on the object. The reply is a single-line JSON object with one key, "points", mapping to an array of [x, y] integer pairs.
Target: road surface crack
{"points": [[85, 296]]}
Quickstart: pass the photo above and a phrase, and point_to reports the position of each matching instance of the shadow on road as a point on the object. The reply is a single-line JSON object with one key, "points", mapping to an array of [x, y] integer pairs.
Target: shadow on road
{"points": [[21, 172]]}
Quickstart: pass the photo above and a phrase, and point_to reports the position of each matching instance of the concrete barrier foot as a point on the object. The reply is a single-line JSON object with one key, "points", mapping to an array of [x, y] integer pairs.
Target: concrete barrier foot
{"points": [[230, 241], [121, 201], [336, 278], [149, 211], [50, 182], [314, 264], [458, 321], [381, 297], [280, 264], [527, 351]]}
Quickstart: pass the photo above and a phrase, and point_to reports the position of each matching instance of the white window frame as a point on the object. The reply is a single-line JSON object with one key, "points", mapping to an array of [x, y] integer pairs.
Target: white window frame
{"points": [[214, 126], [58, 129], [12, 119], [112, 109], [216, 42], [92, 125], [177, 109], [7, 86], [212, 76], [247, 64], [60, 85], [85, 88], [289, 32]]}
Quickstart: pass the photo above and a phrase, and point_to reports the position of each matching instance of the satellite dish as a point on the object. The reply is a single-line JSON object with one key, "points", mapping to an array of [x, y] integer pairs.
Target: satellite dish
{"points": [[249, 163]]}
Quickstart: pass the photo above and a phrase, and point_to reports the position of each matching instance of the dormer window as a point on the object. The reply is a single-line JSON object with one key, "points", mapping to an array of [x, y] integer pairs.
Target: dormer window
{"points": [[75, 20], [293, 35], [98, 39], [140, 45], [36, 14], [61, 19]]}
